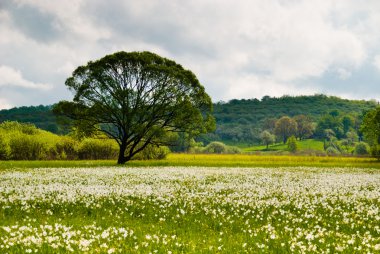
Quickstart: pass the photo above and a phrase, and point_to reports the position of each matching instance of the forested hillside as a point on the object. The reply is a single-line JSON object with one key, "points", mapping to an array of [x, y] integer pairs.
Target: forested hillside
{"points": [[41, 116], [241, 121], [254, 111]]}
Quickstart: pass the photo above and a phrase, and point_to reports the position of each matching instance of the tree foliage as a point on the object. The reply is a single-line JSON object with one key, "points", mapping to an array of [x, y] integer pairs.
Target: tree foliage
{"points": [[136, 98], [305, 126], [267, 138], [292, 144], [371, 130], [285, 127]]}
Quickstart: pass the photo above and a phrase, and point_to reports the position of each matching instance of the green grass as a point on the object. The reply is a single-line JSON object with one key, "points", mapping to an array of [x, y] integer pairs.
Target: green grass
{"points": [[308, 144], [210, 160]]}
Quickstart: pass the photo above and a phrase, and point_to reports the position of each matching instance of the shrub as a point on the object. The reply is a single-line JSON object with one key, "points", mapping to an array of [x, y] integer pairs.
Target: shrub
{"points": [[375, 151], [292, 144], [152, 152], [4, 148], [27, 147], [362, 149], [331, 151], [215, 147], [26, 128], [65, 148], [233, 150], [96, 149]]}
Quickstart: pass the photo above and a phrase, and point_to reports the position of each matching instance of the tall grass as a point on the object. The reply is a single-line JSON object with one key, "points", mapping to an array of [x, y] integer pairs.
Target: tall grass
{"points": [[210, 160]]}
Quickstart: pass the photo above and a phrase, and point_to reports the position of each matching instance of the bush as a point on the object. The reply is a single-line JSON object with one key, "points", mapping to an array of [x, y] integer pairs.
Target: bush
{"points": [[27, 147], [331, 151], [215, 147], [25, 128], [5, 151], [292, 144], [96, 149], [65, 148], [362, 149], [19, 141], [375, 151], [152, 153], [233, 150]]}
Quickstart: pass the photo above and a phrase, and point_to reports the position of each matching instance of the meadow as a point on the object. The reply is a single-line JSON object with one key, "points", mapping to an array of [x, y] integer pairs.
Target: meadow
{"points": [[207, 160], [176, 209]]}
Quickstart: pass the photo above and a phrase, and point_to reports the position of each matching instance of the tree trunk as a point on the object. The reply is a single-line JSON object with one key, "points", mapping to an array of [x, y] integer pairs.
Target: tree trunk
{"points": [[122, 159]]}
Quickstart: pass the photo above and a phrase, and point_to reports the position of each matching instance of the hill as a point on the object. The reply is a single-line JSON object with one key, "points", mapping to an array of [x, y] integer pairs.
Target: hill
{"points": [[241, 121], [41, 116], [254, 111]]}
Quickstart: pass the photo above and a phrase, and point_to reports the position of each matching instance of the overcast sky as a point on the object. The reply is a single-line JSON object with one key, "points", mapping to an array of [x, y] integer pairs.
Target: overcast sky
{"points": [[237, 48]]}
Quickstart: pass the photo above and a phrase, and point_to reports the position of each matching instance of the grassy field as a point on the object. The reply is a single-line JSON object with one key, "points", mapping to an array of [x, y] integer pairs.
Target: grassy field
{"points": [[190, 210], [211, 160], [308, 144]]}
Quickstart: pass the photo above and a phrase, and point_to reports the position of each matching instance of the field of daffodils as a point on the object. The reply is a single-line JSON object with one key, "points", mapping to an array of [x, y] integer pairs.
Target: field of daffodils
{"points": [[190, 210]]}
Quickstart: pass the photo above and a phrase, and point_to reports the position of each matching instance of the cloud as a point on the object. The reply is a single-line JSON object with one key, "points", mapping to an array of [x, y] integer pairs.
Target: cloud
{"points": [[343, 74], [376, 62], [4, 104], [238, 49], [12, 77]]}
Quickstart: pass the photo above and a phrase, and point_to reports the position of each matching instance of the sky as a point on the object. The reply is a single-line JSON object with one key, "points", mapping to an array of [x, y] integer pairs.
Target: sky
{"points": [[237, 48]]}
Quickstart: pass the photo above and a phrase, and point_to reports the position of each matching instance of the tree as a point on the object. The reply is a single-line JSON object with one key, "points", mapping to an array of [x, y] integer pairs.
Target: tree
{"points": [[352, 137], [269, 124], [371, 129], [348, 122], [267, 138], [135, 98], [304, 126], [330, 121], [361, 148], [285, 127], [292, 144]]}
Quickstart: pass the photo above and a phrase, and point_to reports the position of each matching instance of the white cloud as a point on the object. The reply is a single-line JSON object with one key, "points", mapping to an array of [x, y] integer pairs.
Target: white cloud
{"points": [[255, 86], [343, 74], [238, 49], [376, 62], [4, 104], [12, 77]]}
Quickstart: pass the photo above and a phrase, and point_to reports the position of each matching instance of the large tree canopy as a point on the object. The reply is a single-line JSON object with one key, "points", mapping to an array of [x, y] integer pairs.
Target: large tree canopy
{"points": [[135, 98]]}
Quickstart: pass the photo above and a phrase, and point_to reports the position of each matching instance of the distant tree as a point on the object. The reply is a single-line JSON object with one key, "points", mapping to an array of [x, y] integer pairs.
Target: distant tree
{"points": [[267, 138], [346, 144], [332, 151], [334, 113], [285, 127], [269, 124], [304, 126], [352, 137], [329, 134], [348, 122], [136, 98], [362, 148], [371, 130], [330, 121], [292, 144]]}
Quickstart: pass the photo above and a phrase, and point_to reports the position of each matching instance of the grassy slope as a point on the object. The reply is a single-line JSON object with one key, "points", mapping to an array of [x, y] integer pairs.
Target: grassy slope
{"points": [[211, 160]]}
